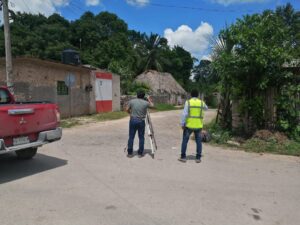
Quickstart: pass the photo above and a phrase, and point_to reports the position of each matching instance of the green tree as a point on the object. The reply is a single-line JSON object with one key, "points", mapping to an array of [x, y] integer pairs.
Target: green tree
{"points": [[291, 20], [249, 58], [150, 49], [223, 56], [103, 40], [179, 63]]}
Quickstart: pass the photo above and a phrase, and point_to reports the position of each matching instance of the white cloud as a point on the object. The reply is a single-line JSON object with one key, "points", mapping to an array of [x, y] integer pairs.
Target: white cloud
{"points": [[92, 2], [45, 7], [196, 42], [61, 2], [206, 57], [138, 2], [228, 2]]}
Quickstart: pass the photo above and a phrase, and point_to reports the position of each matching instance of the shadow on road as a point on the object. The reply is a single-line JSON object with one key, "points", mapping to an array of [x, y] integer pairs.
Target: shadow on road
{"points": [[190, 157], [12, 168], [146, 152], [149, 152]]}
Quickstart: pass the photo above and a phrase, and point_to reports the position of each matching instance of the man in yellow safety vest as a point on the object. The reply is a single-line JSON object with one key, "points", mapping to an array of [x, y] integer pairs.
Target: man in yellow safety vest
{"points": [[192, 121]]}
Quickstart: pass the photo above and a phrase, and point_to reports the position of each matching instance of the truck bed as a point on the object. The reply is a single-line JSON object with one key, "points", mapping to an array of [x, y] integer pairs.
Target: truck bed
{"points": [[22, 122]]}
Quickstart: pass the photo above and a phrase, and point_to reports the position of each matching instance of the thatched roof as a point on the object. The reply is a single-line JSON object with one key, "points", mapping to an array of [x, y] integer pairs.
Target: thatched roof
{"points": [[161, 82]]}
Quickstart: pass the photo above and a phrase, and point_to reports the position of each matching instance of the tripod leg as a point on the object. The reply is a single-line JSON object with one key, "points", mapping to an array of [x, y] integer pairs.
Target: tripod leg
{"points": [[149, 134]]}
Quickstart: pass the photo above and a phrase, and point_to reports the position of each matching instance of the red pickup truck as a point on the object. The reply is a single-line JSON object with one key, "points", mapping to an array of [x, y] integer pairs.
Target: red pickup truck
{"points": [[25, 126]]}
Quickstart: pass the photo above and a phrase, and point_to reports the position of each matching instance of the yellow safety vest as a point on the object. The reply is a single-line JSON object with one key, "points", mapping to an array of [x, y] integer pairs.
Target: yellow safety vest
{"points": [[195, 114]]}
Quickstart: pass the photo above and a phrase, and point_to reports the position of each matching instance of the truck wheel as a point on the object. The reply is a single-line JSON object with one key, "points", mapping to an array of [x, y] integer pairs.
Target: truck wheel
{"points": [[27, 153]]}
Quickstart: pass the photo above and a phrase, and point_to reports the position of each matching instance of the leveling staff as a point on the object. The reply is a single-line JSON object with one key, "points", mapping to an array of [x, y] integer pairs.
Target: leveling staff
{"points": [[192, 121], [137, 108]]}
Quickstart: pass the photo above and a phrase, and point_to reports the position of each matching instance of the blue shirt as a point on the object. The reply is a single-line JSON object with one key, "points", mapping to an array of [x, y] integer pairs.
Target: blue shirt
{"points": [[185, 112]]}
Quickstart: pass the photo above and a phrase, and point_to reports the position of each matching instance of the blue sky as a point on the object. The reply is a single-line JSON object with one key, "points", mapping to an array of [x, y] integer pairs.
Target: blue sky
{"points": [[187, 23]]}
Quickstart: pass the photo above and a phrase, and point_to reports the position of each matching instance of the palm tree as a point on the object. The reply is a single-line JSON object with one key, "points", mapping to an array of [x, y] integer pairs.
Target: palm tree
{"points": [[150, 51], [223, 48]]}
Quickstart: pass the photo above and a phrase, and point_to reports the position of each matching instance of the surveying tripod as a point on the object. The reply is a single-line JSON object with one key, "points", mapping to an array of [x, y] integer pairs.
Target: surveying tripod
{"points": [[150, 132]]}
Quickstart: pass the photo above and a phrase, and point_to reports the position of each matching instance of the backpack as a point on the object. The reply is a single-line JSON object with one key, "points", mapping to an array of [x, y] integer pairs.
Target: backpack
{"points": [[205, 136]]}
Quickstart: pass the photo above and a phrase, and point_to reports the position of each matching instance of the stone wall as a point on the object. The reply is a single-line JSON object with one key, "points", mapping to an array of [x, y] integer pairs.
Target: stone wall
{"points": [[116, 93], [163, 98]]}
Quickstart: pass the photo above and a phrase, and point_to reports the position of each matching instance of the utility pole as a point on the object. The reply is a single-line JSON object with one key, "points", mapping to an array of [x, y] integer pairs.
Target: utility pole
{"points": [[9, 70]]}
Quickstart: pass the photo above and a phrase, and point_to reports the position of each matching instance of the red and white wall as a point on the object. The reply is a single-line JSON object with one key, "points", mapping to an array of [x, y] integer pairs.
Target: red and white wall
{"points": [[103, 92], [107, 92]]}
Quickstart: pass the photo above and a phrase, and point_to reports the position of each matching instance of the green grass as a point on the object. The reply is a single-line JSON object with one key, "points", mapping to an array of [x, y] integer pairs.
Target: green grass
{"points": [[68, 123], [289, 147], [110, 116], [221, 136], [159, 107], [76, 121]]}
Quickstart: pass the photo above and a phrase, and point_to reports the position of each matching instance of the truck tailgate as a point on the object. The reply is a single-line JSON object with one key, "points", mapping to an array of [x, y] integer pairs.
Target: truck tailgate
{"points": [[26, 119]]}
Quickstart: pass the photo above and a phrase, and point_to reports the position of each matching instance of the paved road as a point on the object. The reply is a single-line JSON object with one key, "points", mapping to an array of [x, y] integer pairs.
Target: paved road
{"points": [[85, 179]]}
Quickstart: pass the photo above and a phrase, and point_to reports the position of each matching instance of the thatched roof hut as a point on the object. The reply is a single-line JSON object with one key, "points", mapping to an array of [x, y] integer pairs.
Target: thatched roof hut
{"points": [[161, 82]]}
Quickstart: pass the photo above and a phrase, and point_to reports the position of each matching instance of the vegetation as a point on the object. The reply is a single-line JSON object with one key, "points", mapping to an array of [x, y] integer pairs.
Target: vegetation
{"points": [[103, 40], [248, 59], [164, 107], [257, 144], [206, 81], [68, 123], [109, 116], [75, 121], [289, 147], [219, 135]]}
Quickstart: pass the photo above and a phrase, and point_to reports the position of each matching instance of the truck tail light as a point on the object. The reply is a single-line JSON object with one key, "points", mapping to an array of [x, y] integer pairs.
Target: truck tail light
{"points": [[57, 115]]}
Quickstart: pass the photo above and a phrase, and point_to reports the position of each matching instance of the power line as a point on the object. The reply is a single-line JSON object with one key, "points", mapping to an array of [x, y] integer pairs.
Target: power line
{"points": [[29, 10], [75, 9], [199, 8]]}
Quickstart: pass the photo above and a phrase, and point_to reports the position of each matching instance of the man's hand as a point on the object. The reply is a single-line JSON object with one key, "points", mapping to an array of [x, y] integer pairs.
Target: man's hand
{"points": [[150, 101], [127, 109], [149, 98], [182, 127]]}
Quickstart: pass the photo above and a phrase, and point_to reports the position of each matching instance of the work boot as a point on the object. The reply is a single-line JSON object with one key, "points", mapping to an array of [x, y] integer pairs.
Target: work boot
{"points": [[182, 159], [198, 160], [129, 155]]}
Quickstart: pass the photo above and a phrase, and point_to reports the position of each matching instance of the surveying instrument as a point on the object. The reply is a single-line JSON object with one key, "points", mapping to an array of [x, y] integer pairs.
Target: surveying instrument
{"points": [[150, 132]]}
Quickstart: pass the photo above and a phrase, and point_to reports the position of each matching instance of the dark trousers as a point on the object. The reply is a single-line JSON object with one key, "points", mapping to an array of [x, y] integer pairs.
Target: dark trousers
{"points": [[185, 139], [136, 124]]}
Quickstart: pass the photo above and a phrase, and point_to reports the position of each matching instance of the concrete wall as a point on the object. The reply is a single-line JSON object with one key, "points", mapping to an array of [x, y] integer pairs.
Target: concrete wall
{"points": [[116, 89], [116, 93], [36, 80]]}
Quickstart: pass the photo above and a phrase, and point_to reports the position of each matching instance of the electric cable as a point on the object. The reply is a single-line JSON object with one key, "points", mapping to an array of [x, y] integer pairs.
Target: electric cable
{"points": [[164, 5], [29, 10], [161, 5]]}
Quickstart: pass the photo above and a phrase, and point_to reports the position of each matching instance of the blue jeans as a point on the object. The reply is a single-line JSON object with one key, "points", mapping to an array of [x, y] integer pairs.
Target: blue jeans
{"points": [[186, 135], [136, 124]]}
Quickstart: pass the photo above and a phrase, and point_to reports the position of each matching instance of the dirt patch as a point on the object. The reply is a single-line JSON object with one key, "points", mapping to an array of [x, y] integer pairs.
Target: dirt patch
{"points": [[280, 137], [263, 134], [267, 135]]}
